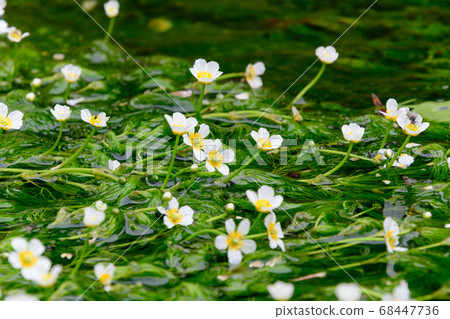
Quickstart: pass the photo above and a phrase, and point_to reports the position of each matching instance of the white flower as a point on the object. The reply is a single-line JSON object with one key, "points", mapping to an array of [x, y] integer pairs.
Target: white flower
{"points": [[30, 97], [167, 196], [97, 121], [411, 123], [281, 291], [242, 96], [392, 110], [27, 256], [215, 158], [391, 232], [448, 162], [15, 35], [230, 208], [71, 73], [235, 241], [36, 82], [112, 8], [175, 215], [100, 205], [427, 215], [266, 142], [353, 132], [93, 217], [252, 74], [61, 112], [400, 293], [105, 274], [412, 145], [46, 277], [327, 55], [13, 121], [384, 154], [179, 124], [296, 114], [21, 296], [113, 165], [403, 161], [196, 140], [3, 26], [274, 231], [348, 292], [204, 72], [265, 200]]}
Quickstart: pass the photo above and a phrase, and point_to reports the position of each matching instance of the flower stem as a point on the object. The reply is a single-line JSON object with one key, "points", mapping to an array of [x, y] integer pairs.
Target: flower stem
{"points": [[216, 217], [344, 153], [75, 170], [155, 156], [81, 149], [342, 162], [204, 231], [67, 93], [230, 76], [82, 255], [310, 85], [260, 235], [198, 109], [172, 161], [257, 220], [230, 177], [110, 29], [386, 134], [399, 151], [1, 131], [16, 63], [61, 125]]}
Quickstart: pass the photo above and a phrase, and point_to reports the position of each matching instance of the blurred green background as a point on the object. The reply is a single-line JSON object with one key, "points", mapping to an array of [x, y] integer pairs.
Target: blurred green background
{"points": [[398, 49]]}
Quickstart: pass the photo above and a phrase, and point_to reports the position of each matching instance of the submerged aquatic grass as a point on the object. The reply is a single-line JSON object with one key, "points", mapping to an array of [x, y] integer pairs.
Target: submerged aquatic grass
{"points": [[151, 218]]}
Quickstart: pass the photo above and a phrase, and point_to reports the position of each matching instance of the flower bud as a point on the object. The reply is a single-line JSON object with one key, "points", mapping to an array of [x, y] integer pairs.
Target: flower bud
{"points": [[36, 82], [167, 196], [30, 97], [426, 215], [230, 208], [194, 168]]}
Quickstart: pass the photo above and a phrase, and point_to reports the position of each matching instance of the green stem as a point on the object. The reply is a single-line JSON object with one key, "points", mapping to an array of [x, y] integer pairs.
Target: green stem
{"points": [[81, 149], [75, 170], [110, 29], [260, 235], [156, 156], [399, 151], [1, 131], [230, 76], [82, 255], [172, 161], [342, 162], [67, 93], [310, 85], [144, 210], [216, 217], [16, 63], [386, 134], [198, 109], [230, 177], [61, 125], [204, 231], [257, 220], [344, 153]]}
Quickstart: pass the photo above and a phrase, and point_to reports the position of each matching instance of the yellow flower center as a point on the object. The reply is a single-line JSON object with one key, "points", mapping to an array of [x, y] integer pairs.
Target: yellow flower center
{"points": [[262, 204], [265, 143], [392, 240], [251, 73], [17, 34], [105, 279], [5, 122], [234, 240], [95, 120], [412, 127], [197, 140], [272, 231], [174, 216], [111, 10], [27, 258], [203, 75], [215, 159], [46, 280]]}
